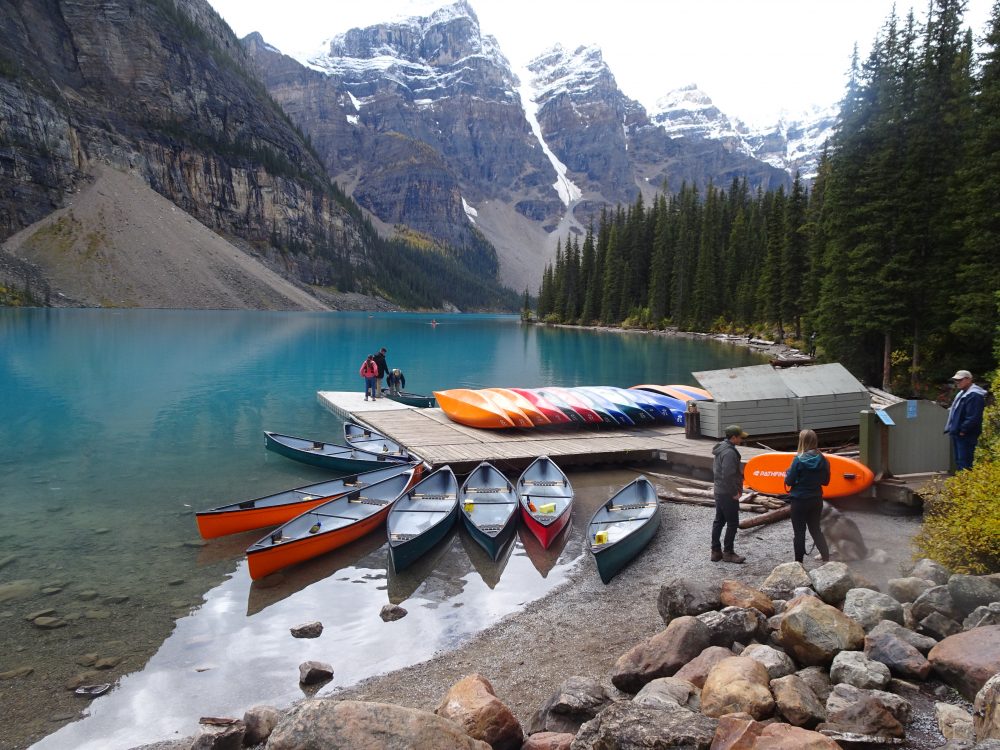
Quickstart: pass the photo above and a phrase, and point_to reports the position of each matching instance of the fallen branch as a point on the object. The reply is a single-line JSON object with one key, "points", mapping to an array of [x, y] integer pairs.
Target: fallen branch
{"points": [[769, 517]]}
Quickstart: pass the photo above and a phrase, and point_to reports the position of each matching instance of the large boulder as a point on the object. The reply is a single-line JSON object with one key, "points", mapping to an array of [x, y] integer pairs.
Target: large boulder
{"points": [[549, 741], [982, 616], [860, 712], [969, 592], [797, 702], [986, 710], [738, 594], [777, 663], [627, 725], [921, 643], [735, 624], [737, 684], [908, 589], [661, 655], [472, 705], [787, 737], [696, 670], [939, 627], [967, 660], [855, 668], [936, 599], [784, 579], [259, 721], [832, 581], [737, 732], [844, 694], [578, 700], [954, 722], [900, 658], [932, 571], [869, 608], [818, 679], [680, 597], [814, 632], [322, 723], [669, 692]]}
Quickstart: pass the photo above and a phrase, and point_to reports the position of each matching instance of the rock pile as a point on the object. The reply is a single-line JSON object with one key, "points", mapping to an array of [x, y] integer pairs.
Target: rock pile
{"points": [[808, 660]]}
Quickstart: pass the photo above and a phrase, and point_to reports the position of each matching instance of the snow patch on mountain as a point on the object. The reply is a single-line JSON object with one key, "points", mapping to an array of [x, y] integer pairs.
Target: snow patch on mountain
{"points": [[567, 190]]}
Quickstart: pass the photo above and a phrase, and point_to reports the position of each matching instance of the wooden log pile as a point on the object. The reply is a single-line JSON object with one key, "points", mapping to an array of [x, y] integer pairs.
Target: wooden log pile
{"points": [[695, 492]]}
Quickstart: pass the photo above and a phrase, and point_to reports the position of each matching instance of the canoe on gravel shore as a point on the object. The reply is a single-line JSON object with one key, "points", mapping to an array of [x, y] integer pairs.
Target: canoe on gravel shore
{"points": [[623, 526], [489, 507], [546, 499], [422, 517]]}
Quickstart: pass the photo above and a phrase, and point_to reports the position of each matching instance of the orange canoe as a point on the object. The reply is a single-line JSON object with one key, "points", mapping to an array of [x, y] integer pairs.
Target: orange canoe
{"points": [[472, 408], [530, 410], [328, 526], [508, 407], [766, 473], [282, 507]]}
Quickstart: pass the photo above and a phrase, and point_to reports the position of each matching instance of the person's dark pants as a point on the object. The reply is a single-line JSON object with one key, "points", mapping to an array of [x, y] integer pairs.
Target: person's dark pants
{"points": [[806, 514], [727, 513], [965, 450]]}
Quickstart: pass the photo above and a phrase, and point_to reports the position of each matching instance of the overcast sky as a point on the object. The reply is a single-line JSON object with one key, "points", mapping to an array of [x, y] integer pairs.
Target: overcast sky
{"points": [[754, 58]]}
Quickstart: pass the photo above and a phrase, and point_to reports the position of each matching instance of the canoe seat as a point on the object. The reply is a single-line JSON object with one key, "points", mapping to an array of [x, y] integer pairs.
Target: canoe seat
{"points": [[491, 527], [401, 537], [247, 504], [546, 483], [368, 500], [427, 496], [486, 490], [634, 506]]}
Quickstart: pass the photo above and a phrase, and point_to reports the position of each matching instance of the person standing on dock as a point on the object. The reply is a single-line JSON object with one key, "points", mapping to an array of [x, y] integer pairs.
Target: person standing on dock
{"points": [[380, 363], [369, 371], [727, 471], [806, 477], [965, 419]]}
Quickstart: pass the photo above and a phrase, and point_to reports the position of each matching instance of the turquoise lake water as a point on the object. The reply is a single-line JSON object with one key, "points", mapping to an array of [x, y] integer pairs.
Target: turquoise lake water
{"points": [[117, 424]]}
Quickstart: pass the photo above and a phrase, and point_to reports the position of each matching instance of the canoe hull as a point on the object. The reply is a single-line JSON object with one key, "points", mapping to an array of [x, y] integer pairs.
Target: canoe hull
{"points": [[493, 544], [265, 562], [472, 409], [341, 464], [284, 506], [544, 483], [627, 522], [766, 473], [488, 506], [422, 517], [410, 399], [404, 554]]}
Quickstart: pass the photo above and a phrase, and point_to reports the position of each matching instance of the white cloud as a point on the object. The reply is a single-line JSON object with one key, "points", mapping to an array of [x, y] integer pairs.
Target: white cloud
{"points": [[754, 59]]}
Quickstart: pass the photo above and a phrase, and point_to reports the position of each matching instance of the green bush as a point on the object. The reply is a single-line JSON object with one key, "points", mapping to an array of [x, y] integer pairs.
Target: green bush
{"points": [[962, 516]]}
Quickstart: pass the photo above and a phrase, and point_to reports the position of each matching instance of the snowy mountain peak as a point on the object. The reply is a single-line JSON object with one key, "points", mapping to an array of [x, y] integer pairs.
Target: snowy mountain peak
{"points": [[689, 111]]}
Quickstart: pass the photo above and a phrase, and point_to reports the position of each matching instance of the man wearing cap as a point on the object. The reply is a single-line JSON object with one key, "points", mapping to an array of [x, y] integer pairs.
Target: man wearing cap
{"points": [[727, 470], [965, 419]]}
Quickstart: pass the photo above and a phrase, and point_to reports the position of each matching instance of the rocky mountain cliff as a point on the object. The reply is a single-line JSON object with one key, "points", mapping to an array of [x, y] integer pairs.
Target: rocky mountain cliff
{"points": [[425, 124], [159, 89]]}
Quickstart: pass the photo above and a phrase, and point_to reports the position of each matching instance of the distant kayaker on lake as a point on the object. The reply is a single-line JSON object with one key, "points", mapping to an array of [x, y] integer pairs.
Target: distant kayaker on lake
{"points": [[395, 380], [369, 371], [382, 368], [805, 478]]}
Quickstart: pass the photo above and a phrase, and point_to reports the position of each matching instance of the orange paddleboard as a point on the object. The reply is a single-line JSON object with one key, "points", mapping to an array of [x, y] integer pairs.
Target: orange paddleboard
{"points": [[766, 473]]}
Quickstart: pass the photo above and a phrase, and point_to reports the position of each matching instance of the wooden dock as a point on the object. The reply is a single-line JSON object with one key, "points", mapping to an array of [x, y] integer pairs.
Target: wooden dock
{"points": [[433, 437]]}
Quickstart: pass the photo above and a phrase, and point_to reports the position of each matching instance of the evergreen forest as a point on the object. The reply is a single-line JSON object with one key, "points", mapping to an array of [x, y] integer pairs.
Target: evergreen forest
{"points": [[891, 255]]}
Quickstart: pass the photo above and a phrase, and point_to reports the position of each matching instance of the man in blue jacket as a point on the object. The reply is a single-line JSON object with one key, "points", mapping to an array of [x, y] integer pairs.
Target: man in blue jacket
{"points": [[965, 419]]}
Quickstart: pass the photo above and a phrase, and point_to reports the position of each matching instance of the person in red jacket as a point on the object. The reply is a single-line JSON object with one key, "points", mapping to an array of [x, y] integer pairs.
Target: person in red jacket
{"points": [[369, 371]]}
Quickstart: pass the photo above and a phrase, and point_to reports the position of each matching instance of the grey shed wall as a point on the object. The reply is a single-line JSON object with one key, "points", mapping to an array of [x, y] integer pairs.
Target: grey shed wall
{"points": [[826, 395], [753, 397]]}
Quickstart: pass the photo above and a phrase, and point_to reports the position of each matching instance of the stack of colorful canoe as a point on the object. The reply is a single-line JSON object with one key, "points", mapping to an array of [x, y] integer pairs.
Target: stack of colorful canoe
{"points": [[499, 408]]}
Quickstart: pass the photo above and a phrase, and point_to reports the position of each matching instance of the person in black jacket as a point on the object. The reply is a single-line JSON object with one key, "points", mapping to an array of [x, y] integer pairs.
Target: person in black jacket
{"points": [[806, 477], [727, 471], [380, 361], [395, 380]]}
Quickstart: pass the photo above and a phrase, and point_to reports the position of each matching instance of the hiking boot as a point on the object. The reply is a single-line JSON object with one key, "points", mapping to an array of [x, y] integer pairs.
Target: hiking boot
{"points": [[716, 555], [732, 557]]}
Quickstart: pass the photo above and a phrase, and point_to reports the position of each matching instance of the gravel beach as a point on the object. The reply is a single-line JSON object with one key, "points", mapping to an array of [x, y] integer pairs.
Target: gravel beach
{"points": [[583, 627]]}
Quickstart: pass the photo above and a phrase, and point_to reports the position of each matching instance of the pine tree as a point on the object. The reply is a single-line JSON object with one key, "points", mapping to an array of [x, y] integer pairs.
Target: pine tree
{"points": [[794, 261]]}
